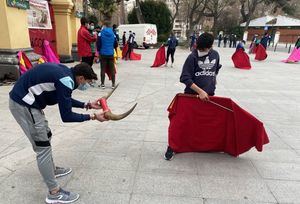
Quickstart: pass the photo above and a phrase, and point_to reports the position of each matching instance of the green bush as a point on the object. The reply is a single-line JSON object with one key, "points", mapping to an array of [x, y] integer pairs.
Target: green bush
{"points": [[162, 38], [155, 12]]}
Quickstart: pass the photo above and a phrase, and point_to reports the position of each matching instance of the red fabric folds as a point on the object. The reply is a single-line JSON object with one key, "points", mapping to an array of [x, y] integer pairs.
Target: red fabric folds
{"points": [[24, 63], [133, 55], [197, 126], [241, 59], [124, 50], [261, 53], [160, 57], [254, 49]]}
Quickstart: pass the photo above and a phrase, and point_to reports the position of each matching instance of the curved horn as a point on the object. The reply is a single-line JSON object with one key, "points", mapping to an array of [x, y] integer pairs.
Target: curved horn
{"points": [[111, 92], [110, 116]]}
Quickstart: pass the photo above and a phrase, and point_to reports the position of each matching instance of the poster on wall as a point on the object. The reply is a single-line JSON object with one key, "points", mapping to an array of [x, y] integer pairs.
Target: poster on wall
{"points": [[39, 15], [78, 8], [21, 4]]}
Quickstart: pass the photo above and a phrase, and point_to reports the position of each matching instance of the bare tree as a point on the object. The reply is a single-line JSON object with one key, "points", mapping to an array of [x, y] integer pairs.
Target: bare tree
{"points": [[122, 11], [247, 9], [139, 13], [214, 9], [195, 11], [175, 14]]}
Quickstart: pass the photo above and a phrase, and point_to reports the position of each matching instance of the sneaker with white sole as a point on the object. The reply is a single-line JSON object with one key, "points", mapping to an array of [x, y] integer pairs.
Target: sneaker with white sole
{"points": [[60, 171], [62, 196]]}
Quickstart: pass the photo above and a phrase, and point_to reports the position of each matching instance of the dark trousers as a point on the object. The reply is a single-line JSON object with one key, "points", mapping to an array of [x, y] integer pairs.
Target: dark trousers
{"points": [[89, 60], [170, 51], [107, 62], [128, 53], [234, 44]]}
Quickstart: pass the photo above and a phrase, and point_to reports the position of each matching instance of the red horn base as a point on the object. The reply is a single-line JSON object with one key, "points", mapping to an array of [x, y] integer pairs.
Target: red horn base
{"points": [[103, 104]]}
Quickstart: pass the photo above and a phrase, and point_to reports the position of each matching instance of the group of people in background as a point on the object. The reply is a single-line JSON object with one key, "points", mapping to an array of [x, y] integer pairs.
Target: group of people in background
{"points": [[130, 41], [100, 43], [231, 39], [265, 41]]}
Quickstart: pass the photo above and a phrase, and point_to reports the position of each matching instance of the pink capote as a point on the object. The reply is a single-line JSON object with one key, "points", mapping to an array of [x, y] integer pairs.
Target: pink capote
{"points": [[294, 56], [48, 53]]}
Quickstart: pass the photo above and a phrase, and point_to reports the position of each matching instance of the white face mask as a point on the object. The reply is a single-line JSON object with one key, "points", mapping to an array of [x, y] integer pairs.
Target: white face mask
{"points": [[201, 54], [92, 27]]}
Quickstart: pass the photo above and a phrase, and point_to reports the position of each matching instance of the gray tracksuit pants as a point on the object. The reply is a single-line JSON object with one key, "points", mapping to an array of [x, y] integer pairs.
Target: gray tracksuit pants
{"points": [[35, 126]]}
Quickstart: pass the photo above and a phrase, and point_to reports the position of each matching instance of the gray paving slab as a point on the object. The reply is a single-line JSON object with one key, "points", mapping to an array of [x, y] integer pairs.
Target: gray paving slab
{"points": [[168, 184], [236, 188], [279, 171], [122, 162], [87, 180], [245, 201], [149, 199], [285, 191]]}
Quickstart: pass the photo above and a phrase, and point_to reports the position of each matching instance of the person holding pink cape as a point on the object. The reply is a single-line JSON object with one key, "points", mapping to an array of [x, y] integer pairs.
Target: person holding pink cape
{"points": [[295, 55]]}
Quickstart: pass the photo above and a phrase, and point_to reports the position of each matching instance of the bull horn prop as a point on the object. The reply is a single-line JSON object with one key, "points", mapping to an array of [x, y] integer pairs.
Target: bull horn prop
{"points": [[108, 114], [110, 93]]}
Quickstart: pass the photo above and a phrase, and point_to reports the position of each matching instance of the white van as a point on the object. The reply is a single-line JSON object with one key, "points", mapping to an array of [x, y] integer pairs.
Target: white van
{"points": [[145, 34]]}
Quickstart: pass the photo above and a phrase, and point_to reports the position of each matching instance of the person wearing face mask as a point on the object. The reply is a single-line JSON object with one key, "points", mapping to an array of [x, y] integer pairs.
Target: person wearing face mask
{"points": [[199, 73], [200, 69], [84, 40], [93, 44], [44, 85]]}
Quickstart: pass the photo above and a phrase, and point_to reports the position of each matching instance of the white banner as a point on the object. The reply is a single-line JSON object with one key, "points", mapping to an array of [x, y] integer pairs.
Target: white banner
{"points": [[39, 15]]}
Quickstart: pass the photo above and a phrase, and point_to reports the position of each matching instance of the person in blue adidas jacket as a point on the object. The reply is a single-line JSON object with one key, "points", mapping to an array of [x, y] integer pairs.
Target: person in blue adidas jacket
{"points": [[44, 85]]}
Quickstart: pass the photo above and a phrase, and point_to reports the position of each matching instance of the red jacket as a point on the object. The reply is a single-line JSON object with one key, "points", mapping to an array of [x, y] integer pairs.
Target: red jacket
{"points": [[84, 40]]}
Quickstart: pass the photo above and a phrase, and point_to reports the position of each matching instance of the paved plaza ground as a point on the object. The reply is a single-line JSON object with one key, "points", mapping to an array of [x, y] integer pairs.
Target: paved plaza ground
{"points": [[122, 162]]}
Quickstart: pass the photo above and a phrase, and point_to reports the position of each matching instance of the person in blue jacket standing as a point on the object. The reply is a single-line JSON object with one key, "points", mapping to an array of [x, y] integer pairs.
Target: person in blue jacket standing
{"points": [[106, 43], [172, 44], [45, 85], [264, 40]]}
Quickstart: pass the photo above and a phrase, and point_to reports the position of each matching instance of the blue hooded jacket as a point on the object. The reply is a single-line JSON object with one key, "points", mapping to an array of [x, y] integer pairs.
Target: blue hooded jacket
{"points": [[106, 42]]}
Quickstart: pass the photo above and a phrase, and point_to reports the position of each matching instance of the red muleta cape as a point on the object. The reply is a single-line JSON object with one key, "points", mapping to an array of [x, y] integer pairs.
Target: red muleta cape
{"points": [[261, 53], [160, 57], [197, 126], [133, 55], [241, 59]]}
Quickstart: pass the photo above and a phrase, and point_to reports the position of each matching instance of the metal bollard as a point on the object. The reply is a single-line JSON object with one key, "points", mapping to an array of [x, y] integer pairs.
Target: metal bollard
{"points": [[290, 48]]}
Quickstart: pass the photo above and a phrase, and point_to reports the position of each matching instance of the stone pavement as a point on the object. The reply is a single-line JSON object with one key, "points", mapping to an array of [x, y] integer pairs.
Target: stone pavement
{"points": [[122, 162]]}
